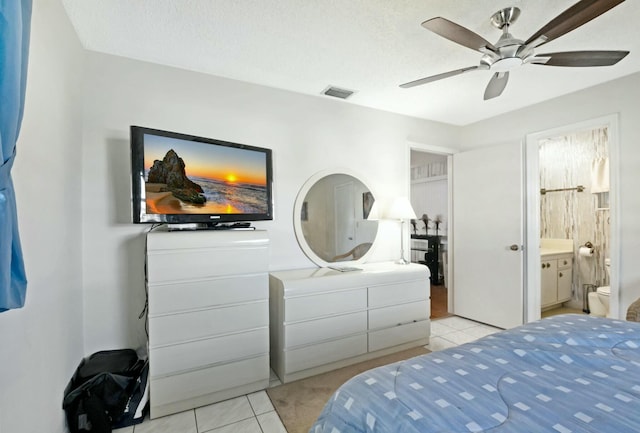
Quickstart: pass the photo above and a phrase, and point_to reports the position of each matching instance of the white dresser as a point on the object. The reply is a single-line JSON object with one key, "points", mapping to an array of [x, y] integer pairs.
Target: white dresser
{"points": [[208, 317], [322, 319]]}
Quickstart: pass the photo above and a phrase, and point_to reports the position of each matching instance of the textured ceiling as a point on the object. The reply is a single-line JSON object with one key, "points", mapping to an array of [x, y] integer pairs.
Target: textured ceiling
{"points": [[369, 46]]}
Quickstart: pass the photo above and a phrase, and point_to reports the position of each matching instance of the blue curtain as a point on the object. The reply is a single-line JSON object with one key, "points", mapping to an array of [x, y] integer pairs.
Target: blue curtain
{"points": [[15, 26]]}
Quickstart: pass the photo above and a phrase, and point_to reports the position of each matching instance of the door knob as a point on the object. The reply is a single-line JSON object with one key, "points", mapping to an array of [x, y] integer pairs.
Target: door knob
{"points": [[514, 247]]}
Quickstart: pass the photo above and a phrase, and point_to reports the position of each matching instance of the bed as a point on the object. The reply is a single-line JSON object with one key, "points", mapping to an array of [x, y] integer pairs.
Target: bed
{"points": [[568, 373]]}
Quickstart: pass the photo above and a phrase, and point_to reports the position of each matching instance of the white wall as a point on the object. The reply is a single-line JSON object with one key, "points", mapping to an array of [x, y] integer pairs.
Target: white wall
{"points": [[307, 134], [431, 197], [616, 97], [41, 344]]}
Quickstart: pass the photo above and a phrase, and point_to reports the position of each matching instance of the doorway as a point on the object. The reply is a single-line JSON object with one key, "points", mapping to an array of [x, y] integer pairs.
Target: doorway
{"points": [[430, 199], [574, 209], [483, 243], [587, 217]]}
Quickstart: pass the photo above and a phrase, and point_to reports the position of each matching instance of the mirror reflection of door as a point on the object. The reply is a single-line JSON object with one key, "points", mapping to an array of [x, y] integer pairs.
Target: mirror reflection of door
{"points": [[330, 220], [345, 224]]}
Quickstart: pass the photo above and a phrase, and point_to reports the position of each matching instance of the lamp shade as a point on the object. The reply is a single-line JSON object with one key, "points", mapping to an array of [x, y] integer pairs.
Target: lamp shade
{"points": [[401, 209]]}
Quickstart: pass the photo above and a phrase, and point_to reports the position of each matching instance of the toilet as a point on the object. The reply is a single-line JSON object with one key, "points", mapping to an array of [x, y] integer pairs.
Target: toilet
{"points": [[599, 300]]}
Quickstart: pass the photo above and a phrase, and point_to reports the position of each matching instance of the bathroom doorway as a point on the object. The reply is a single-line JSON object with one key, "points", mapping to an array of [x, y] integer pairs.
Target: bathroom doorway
{"points": [[571, 204], [430, 199]]}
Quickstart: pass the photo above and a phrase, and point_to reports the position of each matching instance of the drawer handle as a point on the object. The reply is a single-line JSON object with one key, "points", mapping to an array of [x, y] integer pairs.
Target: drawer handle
{"points": [[559, 274]]}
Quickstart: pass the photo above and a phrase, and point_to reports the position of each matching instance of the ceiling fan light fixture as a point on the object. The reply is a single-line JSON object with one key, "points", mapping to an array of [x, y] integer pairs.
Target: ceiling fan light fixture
{"points": [[504, 65]]}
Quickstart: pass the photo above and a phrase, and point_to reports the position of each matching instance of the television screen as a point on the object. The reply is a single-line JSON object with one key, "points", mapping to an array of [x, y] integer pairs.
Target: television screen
{"points": [[179, 178]]}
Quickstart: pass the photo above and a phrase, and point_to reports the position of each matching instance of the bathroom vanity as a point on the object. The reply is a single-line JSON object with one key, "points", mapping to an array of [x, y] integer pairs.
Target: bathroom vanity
{"points": [[556, 256]]}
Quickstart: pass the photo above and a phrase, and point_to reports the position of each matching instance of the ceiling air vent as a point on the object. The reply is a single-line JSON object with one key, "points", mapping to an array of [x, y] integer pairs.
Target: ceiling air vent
{"points": [[337, 92]]}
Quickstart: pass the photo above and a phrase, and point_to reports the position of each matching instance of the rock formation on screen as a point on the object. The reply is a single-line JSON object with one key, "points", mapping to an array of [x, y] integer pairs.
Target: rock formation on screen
{"points": [[170, 171]]}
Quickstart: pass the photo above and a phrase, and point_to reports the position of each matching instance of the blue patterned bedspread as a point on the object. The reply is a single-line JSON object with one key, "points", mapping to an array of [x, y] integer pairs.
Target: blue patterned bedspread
{"points": [[569, 373]]}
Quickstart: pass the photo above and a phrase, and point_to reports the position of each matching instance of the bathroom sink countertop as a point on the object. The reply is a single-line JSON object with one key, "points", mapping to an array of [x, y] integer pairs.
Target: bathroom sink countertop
{"points": [[544, 252], [551, 247]]}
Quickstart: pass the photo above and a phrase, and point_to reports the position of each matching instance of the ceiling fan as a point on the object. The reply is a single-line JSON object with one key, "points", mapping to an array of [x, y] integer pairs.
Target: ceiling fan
{"points": [[509, 53]]}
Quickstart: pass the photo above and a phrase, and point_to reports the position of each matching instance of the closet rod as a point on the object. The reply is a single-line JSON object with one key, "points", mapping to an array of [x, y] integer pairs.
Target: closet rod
{"points": [[578, 188]]}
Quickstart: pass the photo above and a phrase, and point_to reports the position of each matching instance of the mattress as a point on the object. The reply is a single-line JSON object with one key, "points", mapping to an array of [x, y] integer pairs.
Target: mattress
{"points": [[568, 373]]}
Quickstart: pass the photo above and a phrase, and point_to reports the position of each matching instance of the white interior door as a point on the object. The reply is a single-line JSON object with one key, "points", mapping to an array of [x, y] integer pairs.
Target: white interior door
{"points": [[488, 226], [345, 217]]}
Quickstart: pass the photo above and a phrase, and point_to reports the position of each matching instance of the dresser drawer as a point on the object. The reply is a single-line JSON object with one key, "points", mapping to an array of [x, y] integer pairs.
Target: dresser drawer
{"points": [[324, 329], [398, 314], [171, 389], [203, 263], [168, 360], [187, 295], [175, 328], [324, 353], [308, 307], [398, 335], [391, 294]]}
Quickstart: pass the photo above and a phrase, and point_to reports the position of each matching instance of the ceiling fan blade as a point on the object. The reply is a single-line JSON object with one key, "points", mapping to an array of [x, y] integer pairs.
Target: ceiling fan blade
{"points": [[577, 15], [496, 85], [438, 77], [458, 34], [582, 58]]}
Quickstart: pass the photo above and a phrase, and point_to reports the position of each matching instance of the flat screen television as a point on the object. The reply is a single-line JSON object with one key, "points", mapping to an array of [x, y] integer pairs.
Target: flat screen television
{"points": [[183, 179]]}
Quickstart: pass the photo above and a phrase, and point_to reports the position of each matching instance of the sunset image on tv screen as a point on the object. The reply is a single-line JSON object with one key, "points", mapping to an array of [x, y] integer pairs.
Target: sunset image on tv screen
{"points": [[187, 177]]}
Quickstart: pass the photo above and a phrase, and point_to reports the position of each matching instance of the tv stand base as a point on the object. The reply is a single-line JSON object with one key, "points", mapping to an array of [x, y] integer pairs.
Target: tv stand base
{"points": [[210, 226]]}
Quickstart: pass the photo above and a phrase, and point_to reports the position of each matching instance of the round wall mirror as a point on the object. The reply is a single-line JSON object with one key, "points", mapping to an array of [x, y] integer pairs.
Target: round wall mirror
{"points": [[333, 220]]}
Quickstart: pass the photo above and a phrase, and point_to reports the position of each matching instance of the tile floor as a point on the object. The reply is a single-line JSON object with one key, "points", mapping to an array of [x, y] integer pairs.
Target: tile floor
{"points": [[254, 413], [452, 331]]}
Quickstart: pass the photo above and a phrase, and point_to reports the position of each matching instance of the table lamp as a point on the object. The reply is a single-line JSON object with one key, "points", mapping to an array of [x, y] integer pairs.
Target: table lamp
{"points": [[401, 210]]}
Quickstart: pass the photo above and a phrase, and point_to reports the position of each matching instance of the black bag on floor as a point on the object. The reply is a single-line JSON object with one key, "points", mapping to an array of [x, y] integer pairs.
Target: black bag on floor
{"points": [[108, 390]]}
